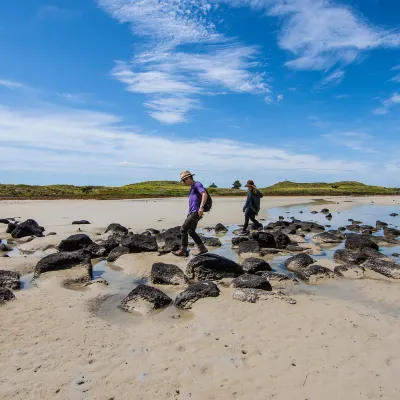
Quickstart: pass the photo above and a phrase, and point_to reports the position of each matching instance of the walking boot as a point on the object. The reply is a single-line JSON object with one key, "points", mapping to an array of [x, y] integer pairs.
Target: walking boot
{"points": [[201, 249], [182, 252]]}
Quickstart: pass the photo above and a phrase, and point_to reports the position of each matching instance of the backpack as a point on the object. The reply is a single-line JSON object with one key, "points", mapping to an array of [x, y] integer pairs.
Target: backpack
{"points": [[208, 204]]}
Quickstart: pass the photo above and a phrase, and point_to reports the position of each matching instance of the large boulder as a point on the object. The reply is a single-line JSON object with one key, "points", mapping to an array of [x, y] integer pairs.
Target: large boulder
{"points": [[27, 228], [314, 273], [359, 242], [249, 247], [350, 271], [167, 274], [252, 265], [298, 262], [171, 232], [143, 299], [219, 228], [117, 252], [237, 240], [139, 243], [195, 292], [390, 269], [212, 267], [10, 280], [6, 295], [65, 260], [279, 281], [117, 229], [75, 242], [328, 237], [346, 256], [264, 239], [251, 282], [281, 240]]}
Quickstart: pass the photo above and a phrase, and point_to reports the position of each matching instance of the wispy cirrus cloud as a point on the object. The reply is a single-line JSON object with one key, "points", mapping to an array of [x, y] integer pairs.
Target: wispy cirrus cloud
{"points": [[387, 104], [357, 141], [12, 84], [172, 76]]}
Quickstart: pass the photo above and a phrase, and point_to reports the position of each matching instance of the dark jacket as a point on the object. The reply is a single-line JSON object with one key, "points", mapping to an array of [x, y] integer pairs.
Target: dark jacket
{"points": [[253, 201]]}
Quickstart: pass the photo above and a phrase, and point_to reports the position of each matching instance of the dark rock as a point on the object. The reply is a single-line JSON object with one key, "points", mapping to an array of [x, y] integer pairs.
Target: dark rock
{"points": [[4, 247], [353, 228], [281, 218], [96, 250], [6, 295], [391, 232], [167, 274], [211, 241], [65, 260], [153, 231], [4, 221], [11, 227], [359, 242], [139, 243], [117, 229], [5, 256], [328, 226], [394, 214], [383, 267], [10, 280], [172, 243], [314, 273], [277, 224], [195, 292], [237, 240], [349, 256], [51, 234], [341, 228], [252, 265], [298, 262], [264, 239], [279, 281], [117, 252], [324, 211], [328, 216], [75, 242], [292, 247], [328, 237], [82, 222], [249, 247], [219, 228], [350, 271], [251, 282], [212, 267], [27, 228], [372, 253], [290, 230], [356, 222], [152, 299], [311, 227], [281, 240], [367, 227], [171, 232], [112, 242], [314, 212], [395, 255], [380, 224], [271, 251]]}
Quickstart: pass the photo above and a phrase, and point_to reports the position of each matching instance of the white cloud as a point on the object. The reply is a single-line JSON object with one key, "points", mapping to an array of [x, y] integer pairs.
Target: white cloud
{"points": [[396, 68], [164, 69], [72, 141], [341, 96], [279, 98], [387, 104], [333, 79], [11, 84], [357, 141], [396, 78]]}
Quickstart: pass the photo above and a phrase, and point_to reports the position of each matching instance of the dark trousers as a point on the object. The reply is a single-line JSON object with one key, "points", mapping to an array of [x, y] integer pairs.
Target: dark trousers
{"points": [[249, 214], [189, 228]]}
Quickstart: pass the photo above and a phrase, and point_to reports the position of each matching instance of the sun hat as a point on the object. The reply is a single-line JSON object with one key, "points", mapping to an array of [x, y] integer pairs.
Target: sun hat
{"points": [[185, 174], [249, 183]]}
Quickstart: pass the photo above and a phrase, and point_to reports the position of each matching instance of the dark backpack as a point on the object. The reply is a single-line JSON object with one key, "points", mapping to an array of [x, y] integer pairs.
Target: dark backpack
{"points": [[208, 204]]}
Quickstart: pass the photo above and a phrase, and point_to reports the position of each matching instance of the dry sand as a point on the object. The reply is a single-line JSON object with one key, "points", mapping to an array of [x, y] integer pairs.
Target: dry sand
{"points": [[340, 341]]}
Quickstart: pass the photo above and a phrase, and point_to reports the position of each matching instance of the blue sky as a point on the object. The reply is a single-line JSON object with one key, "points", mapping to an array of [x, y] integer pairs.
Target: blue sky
{"points": [[112, 92]]}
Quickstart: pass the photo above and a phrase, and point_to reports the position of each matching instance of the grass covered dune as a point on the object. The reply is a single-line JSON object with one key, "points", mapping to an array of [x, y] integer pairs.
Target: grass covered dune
{"points": [[176, 189]]}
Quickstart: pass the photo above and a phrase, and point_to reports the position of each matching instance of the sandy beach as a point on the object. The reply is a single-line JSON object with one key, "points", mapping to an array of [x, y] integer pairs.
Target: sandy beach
{"points": [[339, 341]]}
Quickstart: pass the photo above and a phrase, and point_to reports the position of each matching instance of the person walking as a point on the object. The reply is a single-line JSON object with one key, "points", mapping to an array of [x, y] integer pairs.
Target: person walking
{"points": [[197, 200], [251, 207]]}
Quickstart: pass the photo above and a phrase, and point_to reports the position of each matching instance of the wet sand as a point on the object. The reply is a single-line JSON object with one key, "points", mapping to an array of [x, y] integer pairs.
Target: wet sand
{"points": [[340, 341]]}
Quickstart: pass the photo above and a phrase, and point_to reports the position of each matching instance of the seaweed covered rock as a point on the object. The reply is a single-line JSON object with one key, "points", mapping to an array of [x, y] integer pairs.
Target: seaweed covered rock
{"points": [[117, 252], [75, 242], [251, 282], [6, 295], [27, 228], [10, 280], [298, 262], [167, 274], [212, 267], [139, 243], [252, 265], [143, 299], [195, 292]]}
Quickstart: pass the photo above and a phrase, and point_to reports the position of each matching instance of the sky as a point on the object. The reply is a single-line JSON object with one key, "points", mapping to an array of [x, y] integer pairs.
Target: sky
{"points": [[113, 92]]}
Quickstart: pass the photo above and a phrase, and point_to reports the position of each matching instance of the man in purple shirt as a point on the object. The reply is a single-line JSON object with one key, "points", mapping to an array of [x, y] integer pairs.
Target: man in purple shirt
{"points": [[197, 199]]}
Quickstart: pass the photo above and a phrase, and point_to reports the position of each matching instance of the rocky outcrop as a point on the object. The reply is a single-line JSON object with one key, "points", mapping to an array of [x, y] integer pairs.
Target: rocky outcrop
{"points": [[117, 252], [27, 228], [81, 222], [314, 274], [252, 265], [251, 282], [65, 260], [350, 271], [359, 242], [328, 237], [139, 243], [212, 267], [219, 228], [279, 281], [6, 295], [10, 280], [75, 242], [167, 274], [249, 247], [383, 267], [117, 229], [143, 299], [196, 292], [254, 295], [298, 262]]}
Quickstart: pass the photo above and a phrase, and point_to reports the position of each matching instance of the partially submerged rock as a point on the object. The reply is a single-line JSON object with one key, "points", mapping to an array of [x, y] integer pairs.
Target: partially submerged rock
{"points": [[237, 240], [350, 271], [27, 228], [391, 232], [249, 247], [117, 252], [380, 224], [281, 240], [211, 241], [195, 292], [383, 267], [252, 282], [264, 239], [359, 242], [6, 295], [139, 243], [143, 299], [75, 242], [219, 228], [252, 265], [167, 274], [212, 267], [298, 262], [328, 237], [10, 280], [254, 295]]}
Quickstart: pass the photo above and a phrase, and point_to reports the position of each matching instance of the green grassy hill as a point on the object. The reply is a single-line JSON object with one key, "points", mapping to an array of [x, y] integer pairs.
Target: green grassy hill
{"points": [[176, 189]]}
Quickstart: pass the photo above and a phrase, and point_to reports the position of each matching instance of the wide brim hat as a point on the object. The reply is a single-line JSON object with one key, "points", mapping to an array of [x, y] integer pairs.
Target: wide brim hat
{"points": [[249, 183], [185, 174]]}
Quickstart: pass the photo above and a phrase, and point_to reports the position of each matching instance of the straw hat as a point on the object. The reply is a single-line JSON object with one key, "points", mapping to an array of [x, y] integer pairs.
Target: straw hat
{"points": [[185, 174], [250, 183]]}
